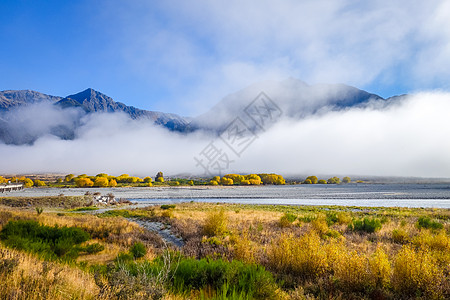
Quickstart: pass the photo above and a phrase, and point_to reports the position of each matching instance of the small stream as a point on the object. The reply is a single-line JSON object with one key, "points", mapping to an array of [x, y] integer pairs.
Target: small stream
{"points": [[161, 229]]}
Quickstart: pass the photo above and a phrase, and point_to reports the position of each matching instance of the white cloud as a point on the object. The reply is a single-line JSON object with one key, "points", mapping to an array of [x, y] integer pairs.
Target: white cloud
{"points": [[202, 50], [406, 139]]}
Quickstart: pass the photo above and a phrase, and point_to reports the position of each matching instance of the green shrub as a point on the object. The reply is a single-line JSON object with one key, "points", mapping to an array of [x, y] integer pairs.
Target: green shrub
{"points": [[51, 242], [368, 225], [331, 218], [86, 208], [307, 218], [287, 219], [93, 248], [167, 206], [123, 257], [138, 250], [226, 278], [426, 222], [39, 210]]}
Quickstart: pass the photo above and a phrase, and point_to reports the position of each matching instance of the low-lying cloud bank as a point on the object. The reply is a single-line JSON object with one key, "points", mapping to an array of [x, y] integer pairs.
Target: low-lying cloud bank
{"points": [[408, 138]]}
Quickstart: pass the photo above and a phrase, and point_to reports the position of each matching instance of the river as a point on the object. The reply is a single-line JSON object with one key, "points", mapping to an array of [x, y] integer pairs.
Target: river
{"points": [[376, 195]]}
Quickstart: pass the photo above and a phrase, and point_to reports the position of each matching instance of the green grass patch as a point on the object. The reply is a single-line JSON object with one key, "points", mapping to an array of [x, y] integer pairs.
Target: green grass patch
{"points": [[428, 223], [167, 206], [86, 208], [49, 242], [368, 225]]}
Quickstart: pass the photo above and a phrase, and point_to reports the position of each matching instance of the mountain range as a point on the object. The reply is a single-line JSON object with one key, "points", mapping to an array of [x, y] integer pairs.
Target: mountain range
{"points": [[292, 98]]}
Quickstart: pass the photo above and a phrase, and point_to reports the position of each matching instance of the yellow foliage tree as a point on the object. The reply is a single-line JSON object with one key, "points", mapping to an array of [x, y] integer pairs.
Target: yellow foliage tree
{"points": [[272, 179], [255, 182], [226, 181], [123, 178], [27, 182], [235, 177], [312, 179], [69, 177], [84, 182], [101, 182], [334, 180], [112, 183], [38, 182]]}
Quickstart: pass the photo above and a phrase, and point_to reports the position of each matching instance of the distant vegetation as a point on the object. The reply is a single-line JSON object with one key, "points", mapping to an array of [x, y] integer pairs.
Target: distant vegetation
{"points": [[105, 180], [332, 180]]}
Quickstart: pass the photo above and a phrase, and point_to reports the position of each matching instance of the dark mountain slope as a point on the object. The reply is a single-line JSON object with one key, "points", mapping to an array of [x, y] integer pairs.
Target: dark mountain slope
{"points": [[10, 99]]}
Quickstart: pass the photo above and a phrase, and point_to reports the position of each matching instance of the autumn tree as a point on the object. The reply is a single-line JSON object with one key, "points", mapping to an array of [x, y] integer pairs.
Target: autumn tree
{"points": [[235, 177], [3, 180], [254, 181], [69, 178], [38, 182], [112, 183], [148, 179], [312, 179], [334, 180], [123, 178], [101, 182], [322, 181], [27, 182], [346, 179], [159, 175], [272, 179], [84, 182], [226, 181]]}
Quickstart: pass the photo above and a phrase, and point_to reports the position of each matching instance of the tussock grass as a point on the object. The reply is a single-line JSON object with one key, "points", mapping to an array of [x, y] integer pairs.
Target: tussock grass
{"points": [[23, 276]]}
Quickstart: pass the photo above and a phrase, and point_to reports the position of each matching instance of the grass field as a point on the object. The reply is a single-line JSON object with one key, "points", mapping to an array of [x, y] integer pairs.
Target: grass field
{"points": [[230, 252]]}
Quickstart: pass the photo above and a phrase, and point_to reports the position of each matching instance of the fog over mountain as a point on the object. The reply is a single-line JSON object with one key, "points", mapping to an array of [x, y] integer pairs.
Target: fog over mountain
{"points": [[321, 129], [26, 116]]}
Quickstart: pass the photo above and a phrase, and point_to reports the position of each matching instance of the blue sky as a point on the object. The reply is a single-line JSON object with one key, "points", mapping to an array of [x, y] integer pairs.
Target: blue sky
{"points": [[184, 56]]}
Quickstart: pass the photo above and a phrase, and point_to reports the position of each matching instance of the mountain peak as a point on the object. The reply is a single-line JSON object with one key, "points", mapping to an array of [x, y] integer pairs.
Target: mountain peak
{"points": [[12, 98]]}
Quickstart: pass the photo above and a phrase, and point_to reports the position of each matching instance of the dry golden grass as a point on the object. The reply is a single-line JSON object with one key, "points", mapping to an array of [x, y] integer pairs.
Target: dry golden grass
{"points": [[24, 276]]}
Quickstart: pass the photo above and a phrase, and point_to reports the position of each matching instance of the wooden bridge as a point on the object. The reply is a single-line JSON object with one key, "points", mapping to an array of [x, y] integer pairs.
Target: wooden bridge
{"points": [[11, 187]]}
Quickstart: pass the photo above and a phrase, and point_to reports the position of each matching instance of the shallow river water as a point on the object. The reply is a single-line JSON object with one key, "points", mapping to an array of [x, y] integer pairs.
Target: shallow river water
{"points": [[381, 195]]}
